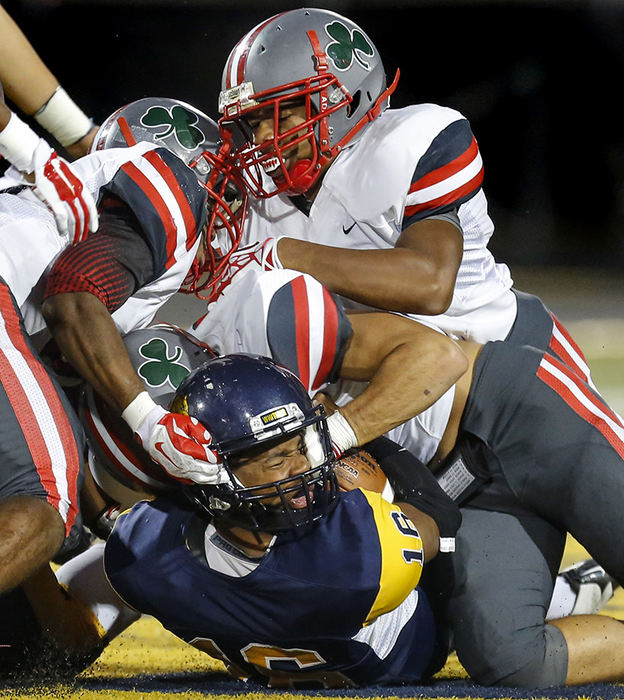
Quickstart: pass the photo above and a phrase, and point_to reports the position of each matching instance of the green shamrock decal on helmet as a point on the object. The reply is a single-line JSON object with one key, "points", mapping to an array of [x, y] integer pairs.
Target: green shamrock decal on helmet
{"points": [[178, 121], [160, 367], [347, 46]]}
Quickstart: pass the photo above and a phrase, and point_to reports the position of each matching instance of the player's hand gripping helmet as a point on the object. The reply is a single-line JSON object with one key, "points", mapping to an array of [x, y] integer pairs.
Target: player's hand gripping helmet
{"points": [[316, 58], [163, 356], [194, 138], [246, 402]]}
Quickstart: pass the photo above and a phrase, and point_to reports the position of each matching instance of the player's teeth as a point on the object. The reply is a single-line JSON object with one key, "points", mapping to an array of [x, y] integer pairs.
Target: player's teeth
{"points": [[270, 165]]}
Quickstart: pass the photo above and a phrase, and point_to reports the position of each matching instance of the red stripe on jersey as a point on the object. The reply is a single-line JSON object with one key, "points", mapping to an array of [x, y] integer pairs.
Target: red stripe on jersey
{"points": [[302, 329], [582, 406], [556, 346], [127, 453], [141, 180], [330, 336], [28, 420], [446, 171], [178, 193], [449, 197]]}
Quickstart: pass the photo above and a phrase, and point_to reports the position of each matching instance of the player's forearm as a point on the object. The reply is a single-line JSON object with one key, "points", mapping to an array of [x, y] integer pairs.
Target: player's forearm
{"points": [[89, 340], [406, 374], [396, 279], [32, 84], [5, 115]]}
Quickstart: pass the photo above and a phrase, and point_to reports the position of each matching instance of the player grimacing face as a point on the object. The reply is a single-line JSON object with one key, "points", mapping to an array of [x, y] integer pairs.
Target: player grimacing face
{"points": [[279, 463]]}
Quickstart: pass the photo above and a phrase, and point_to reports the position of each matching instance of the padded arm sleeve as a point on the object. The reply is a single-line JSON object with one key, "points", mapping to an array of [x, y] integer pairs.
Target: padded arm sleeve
{"points": [[110, 264]]}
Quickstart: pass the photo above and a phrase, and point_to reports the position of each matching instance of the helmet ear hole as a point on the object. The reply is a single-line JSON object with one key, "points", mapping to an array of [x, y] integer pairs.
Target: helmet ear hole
{"points": [[352, 108]]}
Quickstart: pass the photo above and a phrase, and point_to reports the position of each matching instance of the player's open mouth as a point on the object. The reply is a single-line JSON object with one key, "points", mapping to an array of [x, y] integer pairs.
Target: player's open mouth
{"points": [[271, 166], [301, 501]]}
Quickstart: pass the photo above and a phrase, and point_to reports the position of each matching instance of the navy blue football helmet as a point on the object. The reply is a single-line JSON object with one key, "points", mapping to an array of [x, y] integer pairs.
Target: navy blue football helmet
{"points": [[246, 402]]}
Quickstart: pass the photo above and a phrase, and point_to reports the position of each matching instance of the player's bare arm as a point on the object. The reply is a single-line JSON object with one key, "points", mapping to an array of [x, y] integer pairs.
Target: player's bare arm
{"points": [[32, 87], [88, 338], [5, 115], [408, 366], [427, 529], [417, 276]]}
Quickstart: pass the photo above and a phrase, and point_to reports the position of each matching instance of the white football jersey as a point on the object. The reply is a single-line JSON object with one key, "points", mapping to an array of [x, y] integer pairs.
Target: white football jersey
{"points": [[409, 164], [291, 317], [30, 242]]}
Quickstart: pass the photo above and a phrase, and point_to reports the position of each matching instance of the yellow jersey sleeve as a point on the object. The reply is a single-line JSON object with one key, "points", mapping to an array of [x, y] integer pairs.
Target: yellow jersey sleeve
{"points": [[401, 555]]}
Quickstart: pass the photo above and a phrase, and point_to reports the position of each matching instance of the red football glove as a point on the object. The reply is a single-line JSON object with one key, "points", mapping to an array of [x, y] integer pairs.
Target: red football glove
{"points": [[178, 443], [58, 186], [55, 181]]}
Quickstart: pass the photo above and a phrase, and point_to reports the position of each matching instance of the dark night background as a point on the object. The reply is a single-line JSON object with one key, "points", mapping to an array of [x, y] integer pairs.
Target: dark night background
{"points": [[540, 82]]}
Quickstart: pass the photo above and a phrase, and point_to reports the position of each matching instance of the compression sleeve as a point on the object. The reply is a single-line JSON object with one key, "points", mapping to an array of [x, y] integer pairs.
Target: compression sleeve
{"points": [[111, 264]]}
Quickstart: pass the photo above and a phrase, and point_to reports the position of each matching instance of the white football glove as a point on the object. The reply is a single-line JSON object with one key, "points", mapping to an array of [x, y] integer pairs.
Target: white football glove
{"points": [[262, 255], [55, 181], [178, 443]]}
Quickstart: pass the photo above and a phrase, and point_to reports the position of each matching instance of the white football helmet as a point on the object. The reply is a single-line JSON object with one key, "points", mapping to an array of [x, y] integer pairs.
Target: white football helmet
{"points": [[318, 58]]}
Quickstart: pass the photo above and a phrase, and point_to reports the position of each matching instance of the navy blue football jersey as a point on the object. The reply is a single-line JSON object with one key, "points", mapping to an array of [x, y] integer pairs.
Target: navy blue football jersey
{"points": [[336, 605]]}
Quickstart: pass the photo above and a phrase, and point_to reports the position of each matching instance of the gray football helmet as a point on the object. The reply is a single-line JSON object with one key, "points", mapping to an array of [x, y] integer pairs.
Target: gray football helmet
{"points": [[318, 58], [194, 138], [163, 356]]}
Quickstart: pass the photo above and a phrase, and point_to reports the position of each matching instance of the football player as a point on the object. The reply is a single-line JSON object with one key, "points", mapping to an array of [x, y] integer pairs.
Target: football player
{"points": [[154, 211], [383, 206], [290, 317], [528, 448], [217, 573]]}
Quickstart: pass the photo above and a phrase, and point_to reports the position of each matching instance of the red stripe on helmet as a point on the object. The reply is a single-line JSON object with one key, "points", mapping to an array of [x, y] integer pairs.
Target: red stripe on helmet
{"points": [[248, 39]]}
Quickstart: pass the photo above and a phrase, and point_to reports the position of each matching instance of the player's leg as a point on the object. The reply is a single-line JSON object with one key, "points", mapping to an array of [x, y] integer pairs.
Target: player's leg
{"points": [[503, 568], [573, 476], [594, 644], [32, 531], [575, 473], [40, 455], [85, 580], [47, 634]]}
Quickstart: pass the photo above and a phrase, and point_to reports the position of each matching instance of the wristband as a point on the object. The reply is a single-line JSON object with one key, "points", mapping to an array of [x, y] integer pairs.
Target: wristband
{"points": [[341, 433], [18, 143], [138, 409], [61, 117]]}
